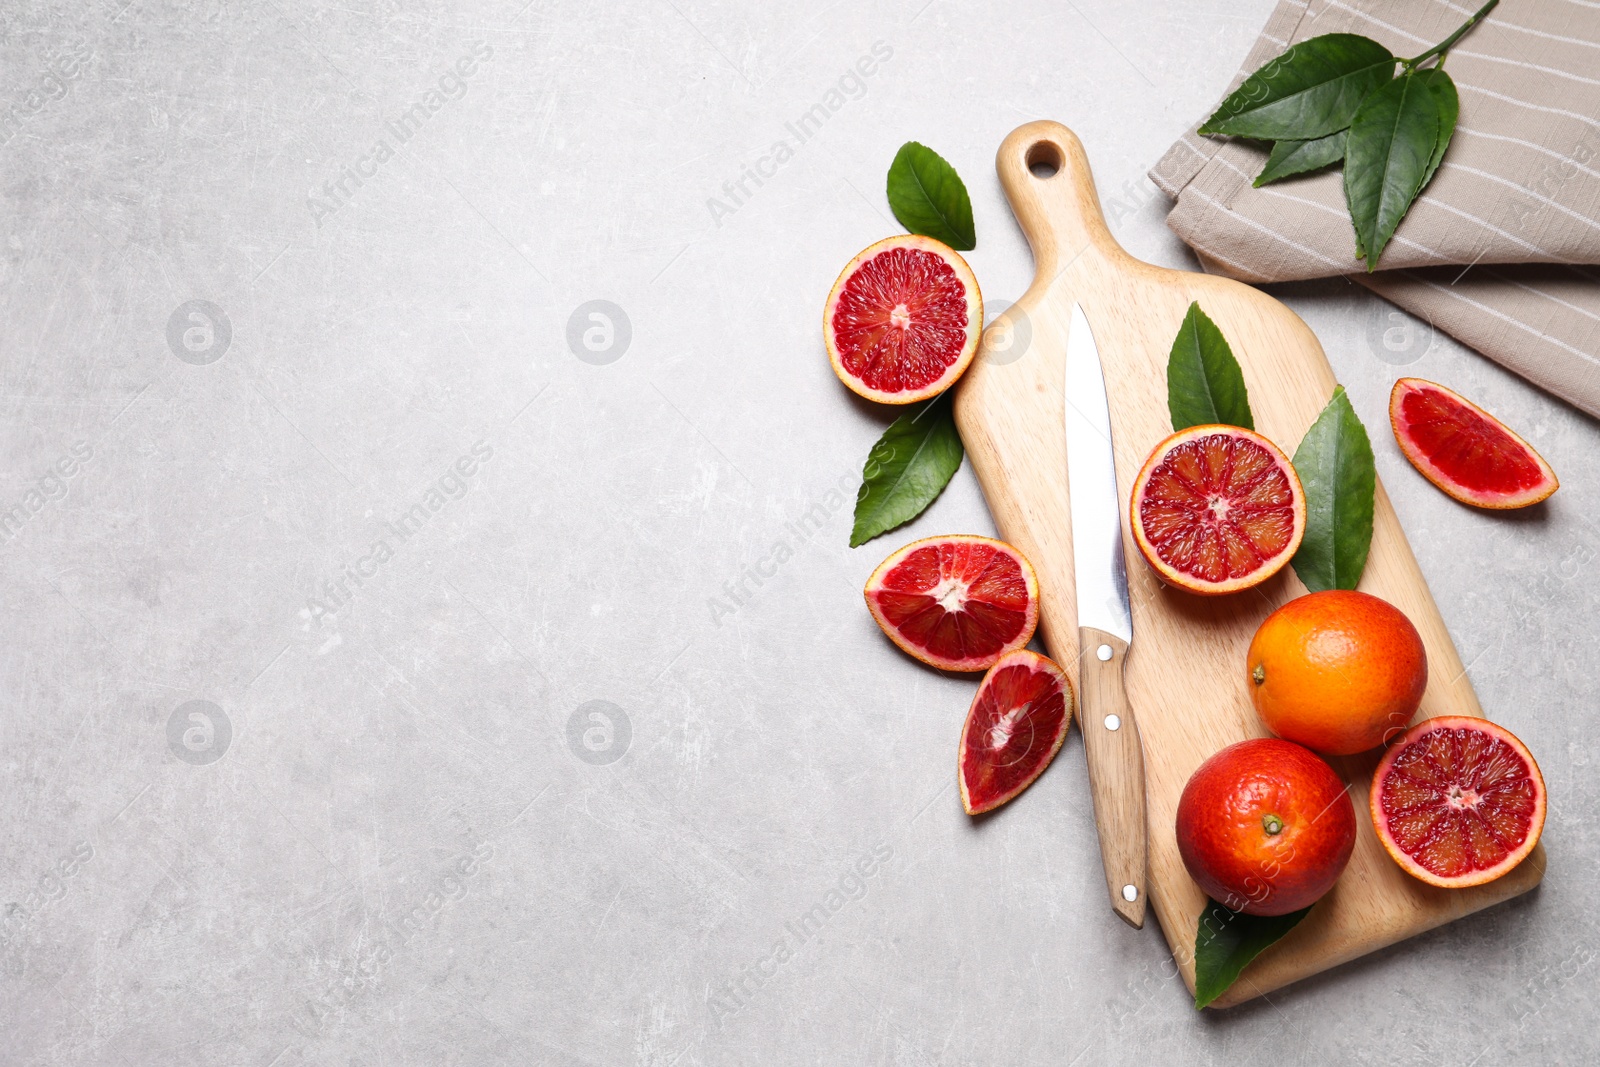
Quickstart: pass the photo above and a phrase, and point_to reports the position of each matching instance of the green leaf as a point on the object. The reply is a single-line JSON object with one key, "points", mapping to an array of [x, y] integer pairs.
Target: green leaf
{"points": [[1336, 470], [1312, 90], [928, 197], [1440, 84], [1204, 382], [1389, 155], [907, 469], [1225, 941], [1297, 157]]}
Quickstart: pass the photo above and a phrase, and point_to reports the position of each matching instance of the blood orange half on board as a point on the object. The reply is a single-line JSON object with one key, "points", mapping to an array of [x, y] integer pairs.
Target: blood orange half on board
{"points": [[1014, 729], [903, 320], [958, 603], [1464, 450], [1458, 801], [1217, 509]]}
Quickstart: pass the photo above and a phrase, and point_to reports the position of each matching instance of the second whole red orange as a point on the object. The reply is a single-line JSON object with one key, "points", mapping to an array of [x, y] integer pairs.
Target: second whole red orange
{"points": [[1265, 827]]}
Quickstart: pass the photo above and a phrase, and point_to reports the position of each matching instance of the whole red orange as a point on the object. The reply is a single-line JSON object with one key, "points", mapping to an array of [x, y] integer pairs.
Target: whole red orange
{"points": [[1265, 827], [1337, 671]]}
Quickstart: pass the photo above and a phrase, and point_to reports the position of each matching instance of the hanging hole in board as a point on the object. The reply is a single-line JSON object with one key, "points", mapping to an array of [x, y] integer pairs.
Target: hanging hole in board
{"points": [[1044, 159]]}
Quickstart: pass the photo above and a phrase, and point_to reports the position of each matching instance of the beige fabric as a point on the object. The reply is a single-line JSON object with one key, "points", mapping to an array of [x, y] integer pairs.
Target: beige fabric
{"points": [[1517, 193]]}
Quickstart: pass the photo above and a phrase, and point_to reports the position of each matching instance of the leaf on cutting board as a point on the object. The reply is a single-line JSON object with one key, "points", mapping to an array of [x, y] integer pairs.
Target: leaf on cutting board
{"points": [[1289, 158], [929, 198], [1336, 469], [1204, 382], [907, 469], [1311, 90], [1226, 941], [1389, 155]]}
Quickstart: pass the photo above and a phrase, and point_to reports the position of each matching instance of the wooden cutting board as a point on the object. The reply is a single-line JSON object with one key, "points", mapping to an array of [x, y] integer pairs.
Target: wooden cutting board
{"points": [[1186, 671]]}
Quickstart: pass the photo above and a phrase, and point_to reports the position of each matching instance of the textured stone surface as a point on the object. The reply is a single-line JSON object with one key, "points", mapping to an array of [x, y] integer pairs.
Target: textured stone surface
{"points": [[396, 832]]}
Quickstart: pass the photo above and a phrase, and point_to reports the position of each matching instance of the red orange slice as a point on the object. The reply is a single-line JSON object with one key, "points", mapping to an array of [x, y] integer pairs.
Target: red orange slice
{"points": [[1458, 801], [1217, 509], [903, 320], [1464, 450], [1014, 729], [958, 603]]}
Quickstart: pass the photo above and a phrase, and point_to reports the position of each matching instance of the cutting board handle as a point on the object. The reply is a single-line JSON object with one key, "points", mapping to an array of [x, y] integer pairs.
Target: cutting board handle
{"points": [[1046, 176]]}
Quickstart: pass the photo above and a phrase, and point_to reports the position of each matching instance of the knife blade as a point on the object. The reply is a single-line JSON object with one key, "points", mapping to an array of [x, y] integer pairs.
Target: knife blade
{"points": [[1105, 627]]}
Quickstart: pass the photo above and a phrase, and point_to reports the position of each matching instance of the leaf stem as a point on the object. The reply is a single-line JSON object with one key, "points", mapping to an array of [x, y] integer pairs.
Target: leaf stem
{"points": [[1444, 45]]}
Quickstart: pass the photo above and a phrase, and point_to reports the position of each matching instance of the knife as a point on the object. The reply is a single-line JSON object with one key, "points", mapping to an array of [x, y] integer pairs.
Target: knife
{"points": [[1105, 628]]}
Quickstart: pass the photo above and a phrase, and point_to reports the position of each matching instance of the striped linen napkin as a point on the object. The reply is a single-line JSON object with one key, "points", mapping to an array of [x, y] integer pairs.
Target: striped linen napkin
{"points": [[1501, 249]]}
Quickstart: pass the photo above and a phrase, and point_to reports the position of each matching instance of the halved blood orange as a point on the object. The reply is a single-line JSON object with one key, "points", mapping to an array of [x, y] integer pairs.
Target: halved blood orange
{"points": [[1217, 509], [1464, 450], [1458, 801], [1014, 729], [958, 603], [903, 320]]}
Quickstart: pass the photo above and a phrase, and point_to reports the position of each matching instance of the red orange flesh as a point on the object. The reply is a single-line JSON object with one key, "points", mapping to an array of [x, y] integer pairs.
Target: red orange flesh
{"points": [[1217, 509], [1014, 728], [1458, 801], [903, 320], [1464, 450], [959, 602]]}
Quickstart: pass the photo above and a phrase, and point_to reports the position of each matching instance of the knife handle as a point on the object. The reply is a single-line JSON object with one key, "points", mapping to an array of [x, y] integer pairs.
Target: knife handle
{"points": [[1116, 770]]}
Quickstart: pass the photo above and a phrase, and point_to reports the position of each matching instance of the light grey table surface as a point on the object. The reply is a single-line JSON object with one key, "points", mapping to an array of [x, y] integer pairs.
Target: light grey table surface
{"points": [[393, 832]]}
